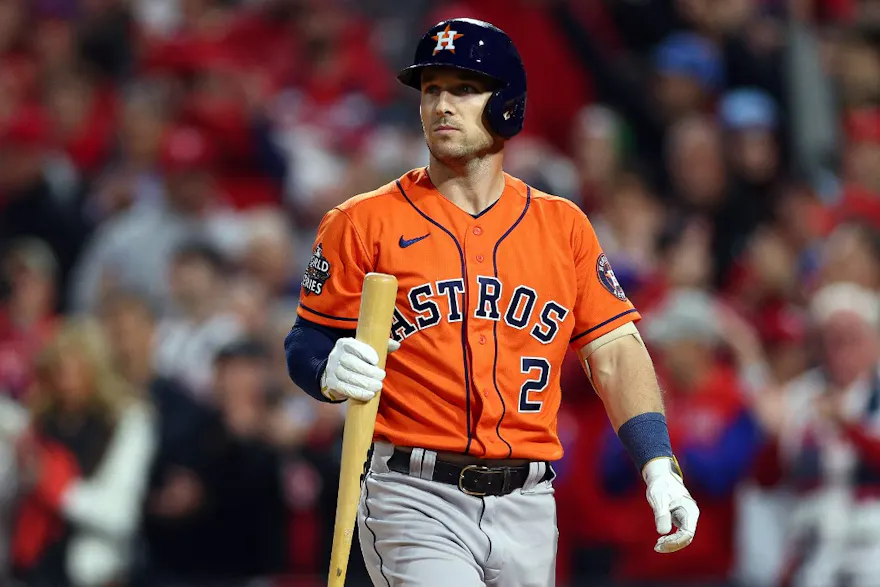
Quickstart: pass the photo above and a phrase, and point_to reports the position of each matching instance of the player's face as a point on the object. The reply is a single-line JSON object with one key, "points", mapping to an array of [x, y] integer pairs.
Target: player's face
{"points": [[452, 107]]}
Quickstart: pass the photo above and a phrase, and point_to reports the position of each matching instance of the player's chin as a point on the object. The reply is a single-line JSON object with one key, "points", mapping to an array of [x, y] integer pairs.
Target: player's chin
{"points": [[448, 150], [446, 140]]}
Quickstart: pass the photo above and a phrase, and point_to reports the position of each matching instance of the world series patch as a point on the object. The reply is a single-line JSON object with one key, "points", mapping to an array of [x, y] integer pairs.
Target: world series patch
{"points": [[317, 273], [608, 279]]}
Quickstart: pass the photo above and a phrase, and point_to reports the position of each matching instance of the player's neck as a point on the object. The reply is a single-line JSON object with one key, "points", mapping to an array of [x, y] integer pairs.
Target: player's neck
{"points": [[472, 186]]}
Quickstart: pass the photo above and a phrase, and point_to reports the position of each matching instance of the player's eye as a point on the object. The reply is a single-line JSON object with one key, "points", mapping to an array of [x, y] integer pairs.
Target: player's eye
{"points": [[432, 89], [467, 89]]}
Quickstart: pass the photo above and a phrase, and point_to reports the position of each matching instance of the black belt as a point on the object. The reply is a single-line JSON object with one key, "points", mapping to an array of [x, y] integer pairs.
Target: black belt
{"points": [[474, 480]]}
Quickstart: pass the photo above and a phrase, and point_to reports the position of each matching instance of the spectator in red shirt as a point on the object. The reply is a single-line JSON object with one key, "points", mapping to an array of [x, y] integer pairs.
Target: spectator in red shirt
{"points": [[27, 315], [861, 168]]}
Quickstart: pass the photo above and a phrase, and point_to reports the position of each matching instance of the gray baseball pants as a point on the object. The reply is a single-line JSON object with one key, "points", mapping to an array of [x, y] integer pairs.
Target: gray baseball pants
{"points": [[415, 532]]}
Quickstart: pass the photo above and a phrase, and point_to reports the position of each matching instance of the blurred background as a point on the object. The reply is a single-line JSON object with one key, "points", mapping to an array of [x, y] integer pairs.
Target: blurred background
{"points": [[163, 168]]}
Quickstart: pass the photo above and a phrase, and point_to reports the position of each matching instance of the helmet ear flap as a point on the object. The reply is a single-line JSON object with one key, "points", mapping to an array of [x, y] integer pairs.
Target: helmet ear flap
{"points": [[506, 113]]}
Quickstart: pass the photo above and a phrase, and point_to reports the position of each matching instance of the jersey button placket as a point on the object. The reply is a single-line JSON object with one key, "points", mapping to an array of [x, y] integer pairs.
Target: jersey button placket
{"points": [[474, 241], [477, 231]]}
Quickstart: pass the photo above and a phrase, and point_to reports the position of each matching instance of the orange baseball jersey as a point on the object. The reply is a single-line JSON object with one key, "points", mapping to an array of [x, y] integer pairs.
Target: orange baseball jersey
{"points": [[487, 307]]}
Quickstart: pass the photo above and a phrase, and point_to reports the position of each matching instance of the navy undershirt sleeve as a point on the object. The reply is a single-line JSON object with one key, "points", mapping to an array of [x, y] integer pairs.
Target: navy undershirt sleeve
{"points": [[307, 347]]}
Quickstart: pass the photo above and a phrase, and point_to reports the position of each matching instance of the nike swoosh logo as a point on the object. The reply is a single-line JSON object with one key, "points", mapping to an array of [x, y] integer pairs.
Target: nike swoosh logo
{"points": [[405, 243]]}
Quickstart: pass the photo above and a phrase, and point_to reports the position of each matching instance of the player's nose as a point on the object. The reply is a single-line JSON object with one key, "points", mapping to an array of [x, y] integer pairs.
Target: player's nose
{"points": [[443, 105]]}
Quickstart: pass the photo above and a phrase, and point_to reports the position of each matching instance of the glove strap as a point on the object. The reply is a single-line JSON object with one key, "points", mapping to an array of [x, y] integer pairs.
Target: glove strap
{"points": [[661, 466], [327, 392]]}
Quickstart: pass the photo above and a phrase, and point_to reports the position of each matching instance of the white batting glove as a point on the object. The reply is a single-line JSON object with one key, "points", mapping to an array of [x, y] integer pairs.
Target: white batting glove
{"points": [[352, 370], [672, 504]]}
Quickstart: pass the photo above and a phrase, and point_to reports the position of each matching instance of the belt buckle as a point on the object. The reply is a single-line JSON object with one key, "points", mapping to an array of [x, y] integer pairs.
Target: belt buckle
{"points": [[464, 470]]}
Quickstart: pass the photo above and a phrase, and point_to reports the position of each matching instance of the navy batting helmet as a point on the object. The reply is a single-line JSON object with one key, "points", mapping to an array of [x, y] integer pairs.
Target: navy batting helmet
{"points": [[478, 46]]}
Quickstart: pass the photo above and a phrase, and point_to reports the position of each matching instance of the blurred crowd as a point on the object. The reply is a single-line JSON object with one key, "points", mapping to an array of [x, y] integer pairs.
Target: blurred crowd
{"points": [[163, 168]]}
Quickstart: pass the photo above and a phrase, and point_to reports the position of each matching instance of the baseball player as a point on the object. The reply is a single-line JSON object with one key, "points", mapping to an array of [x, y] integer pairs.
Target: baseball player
{"points": [[496, 282]]}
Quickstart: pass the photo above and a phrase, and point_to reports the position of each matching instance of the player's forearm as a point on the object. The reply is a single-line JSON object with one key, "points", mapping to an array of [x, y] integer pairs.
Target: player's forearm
{"points": [[623, 375]]}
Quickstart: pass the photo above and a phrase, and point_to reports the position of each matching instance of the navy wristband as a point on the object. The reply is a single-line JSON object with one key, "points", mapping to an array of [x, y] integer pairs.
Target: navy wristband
{"points": [[646, 437]]}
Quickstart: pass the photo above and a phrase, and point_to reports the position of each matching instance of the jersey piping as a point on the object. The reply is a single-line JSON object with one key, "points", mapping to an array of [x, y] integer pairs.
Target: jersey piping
{"points": [[323, 315], [464, 349], [609, 321], [495, 325]]}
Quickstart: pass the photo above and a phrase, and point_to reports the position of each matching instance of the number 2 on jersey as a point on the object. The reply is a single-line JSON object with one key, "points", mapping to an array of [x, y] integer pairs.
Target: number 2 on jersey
{"points": [[533, 385]]}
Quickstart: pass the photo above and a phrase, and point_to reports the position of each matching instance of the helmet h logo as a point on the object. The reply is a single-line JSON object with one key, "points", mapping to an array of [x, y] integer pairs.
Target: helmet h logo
{"points": [[446, 40]]}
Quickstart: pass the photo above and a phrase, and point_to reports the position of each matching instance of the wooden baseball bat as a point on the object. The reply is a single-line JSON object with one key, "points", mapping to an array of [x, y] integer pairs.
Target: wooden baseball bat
{"points": [[373, 328]]}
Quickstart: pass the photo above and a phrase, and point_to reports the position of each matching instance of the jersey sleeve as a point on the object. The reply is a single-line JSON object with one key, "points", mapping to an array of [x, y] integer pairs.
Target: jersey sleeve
{"points": [[330, 292], [601, 304]]}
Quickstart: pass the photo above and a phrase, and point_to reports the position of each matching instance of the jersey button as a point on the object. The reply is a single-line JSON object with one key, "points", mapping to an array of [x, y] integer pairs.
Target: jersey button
{"points": [[479, 258], [482, 339], [478, 231]]}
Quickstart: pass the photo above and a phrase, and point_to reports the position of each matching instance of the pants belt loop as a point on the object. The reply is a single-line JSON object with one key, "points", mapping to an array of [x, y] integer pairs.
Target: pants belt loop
{"points": [[415, 462], [429, 457], [536, 471]]}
